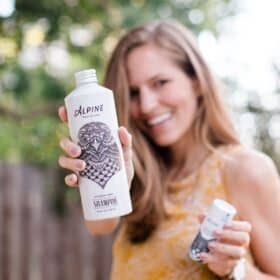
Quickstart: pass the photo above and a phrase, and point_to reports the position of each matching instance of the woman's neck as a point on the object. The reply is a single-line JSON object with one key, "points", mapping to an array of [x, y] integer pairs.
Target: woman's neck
{"points": [[186, 156]]}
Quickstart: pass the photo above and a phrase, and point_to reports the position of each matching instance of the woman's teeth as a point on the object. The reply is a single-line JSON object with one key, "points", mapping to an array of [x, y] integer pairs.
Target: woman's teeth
{"points": [[160, 119]]}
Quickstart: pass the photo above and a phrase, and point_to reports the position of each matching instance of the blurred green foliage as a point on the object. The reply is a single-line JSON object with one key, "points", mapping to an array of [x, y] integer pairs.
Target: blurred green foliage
{"points": [[44, 42]]}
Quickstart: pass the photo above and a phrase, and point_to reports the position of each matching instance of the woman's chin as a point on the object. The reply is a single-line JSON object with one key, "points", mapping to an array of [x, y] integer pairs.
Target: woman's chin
{"points": [[165, 140]]}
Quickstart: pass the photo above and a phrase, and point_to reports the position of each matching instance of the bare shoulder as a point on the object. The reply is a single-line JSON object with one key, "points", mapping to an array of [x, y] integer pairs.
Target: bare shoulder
{"points": [[253, 185], [250, 174], [248, 165]]}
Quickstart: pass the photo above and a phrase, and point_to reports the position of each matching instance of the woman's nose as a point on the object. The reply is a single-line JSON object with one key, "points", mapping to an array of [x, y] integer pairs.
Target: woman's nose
{"points": [[148, 101]]}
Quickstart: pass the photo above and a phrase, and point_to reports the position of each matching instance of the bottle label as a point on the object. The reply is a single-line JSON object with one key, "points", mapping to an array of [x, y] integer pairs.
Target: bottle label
{"points": [[88, 111], [210, 224], [100, 152], [105, 202]]}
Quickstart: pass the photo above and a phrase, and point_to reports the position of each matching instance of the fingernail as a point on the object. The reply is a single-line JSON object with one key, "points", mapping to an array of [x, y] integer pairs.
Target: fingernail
{"points": [[80, 165], [202, 257], [218, 233], [72, 177], [75, 151], [228, 226], [212, 245]]}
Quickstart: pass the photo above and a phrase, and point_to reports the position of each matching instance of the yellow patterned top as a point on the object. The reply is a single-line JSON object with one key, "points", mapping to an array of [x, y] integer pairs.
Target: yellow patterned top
{"points": [[164, 256]]}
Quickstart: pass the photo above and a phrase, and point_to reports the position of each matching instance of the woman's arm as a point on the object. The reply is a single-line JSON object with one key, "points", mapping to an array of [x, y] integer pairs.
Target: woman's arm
{"points": [[254, 186], [103, 226]]}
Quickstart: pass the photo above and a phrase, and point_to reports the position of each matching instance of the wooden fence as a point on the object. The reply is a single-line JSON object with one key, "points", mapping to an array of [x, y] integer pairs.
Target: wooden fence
{"points": [[38, 244]]}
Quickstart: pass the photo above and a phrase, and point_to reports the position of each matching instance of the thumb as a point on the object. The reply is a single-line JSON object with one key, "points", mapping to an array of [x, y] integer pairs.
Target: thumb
{"points": [[201, 217], [126, 141]]}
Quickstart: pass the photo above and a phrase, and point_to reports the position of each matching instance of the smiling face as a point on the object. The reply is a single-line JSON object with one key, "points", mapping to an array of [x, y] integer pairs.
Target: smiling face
{"points": [[163, 101]]}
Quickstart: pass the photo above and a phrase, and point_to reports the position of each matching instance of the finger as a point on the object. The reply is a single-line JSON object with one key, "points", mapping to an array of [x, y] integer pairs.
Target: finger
{"points": [[233, 237], [218, 259], [71, 164], [125, 137], [69, 147], [201, 217], [220, 266], [71, 180], [126, 141], [62, 113], [232, 251], [239, 226]]}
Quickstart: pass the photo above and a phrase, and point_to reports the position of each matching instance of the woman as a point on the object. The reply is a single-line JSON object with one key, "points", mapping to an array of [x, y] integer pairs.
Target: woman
{"points": [[185, 154]]}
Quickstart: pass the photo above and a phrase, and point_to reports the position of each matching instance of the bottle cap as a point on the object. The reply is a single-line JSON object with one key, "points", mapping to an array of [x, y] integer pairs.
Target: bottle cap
{"points": [[221, 207], [85, 76], [220, 213]]}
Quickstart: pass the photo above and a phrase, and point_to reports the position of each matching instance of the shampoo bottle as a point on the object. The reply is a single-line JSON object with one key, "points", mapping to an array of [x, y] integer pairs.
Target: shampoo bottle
{"points": [[93, 125]]}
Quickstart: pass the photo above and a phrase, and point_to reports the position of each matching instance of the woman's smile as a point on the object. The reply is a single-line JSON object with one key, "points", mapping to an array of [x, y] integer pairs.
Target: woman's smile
{"points": [[159, 119]]}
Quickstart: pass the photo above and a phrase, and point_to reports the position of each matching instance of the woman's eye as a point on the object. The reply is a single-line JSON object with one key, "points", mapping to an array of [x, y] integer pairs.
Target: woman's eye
{"points": [[134, 93], [160, 83]]}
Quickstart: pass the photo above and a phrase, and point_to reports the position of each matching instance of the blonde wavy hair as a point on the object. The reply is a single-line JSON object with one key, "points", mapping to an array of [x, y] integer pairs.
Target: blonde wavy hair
{"points": [[212, 125]]}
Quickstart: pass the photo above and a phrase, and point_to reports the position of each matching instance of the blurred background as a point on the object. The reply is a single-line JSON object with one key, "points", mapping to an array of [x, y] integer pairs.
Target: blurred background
{"points": [[42, 44]]}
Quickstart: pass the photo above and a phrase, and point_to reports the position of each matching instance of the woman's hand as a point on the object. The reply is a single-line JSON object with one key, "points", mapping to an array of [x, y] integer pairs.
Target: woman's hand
{"points": [[73, 151], [231, 245], [126, 141]]}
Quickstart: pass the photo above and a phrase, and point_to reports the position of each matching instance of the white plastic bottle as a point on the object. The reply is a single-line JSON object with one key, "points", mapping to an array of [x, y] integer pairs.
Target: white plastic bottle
{"points": [[93, 126], [220, 213]]}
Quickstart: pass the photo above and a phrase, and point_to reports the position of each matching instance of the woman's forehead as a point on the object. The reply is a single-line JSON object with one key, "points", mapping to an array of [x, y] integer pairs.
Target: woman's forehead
{"points": [[148, 62]]}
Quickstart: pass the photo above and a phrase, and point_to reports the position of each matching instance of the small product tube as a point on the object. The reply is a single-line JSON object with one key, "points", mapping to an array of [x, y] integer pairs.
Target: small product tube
{"points": [[93, 125], [220, 213]]}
